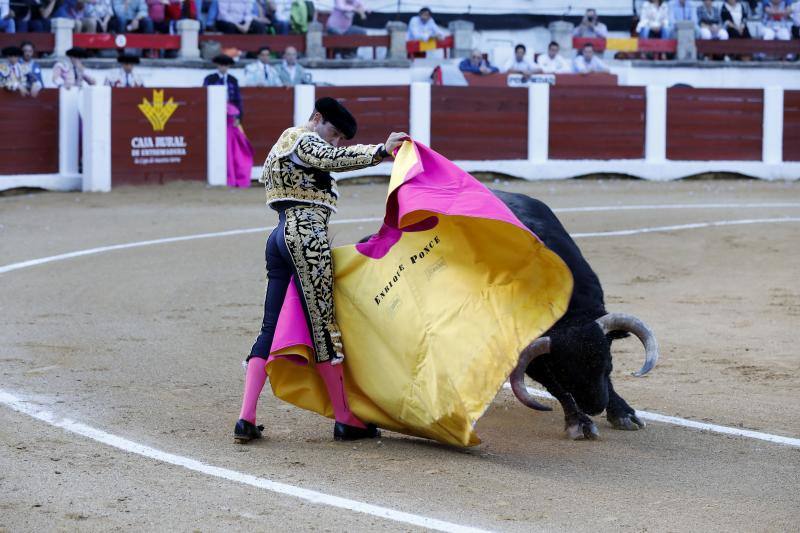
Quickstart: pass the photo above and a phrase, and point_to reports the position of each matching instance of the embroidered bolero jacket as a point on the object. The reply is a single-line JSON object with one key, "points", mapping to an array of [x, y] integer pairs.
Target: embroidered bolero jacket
{"points": [[298, 167]]}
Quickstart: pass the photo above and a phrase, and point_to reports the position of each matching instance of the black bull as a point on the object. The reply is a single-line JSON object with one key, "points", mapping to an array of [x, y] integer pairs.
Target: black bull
{"points": [[573, 359]]}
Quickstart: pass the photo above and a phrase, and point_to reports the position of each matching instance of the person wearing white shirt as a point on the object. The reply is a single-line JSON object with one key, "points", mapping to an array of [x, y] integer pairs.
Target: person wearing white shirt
{"points": [[519, 65], [552, 62], [587, 62], [422, 27], [125, 76], [654, 20], [259, 73]]}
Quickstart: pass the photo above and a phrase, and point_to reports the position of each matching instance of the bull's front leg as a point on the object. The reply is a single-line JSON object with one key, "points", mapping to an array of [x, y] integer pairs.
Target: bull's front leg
{"points": [[619, 414], [577, 424]]}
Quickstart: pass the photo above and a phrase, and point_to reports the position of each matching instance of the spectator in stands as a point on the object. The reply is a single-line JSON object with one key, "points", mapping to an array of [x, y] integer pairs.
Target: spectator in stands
{"points": [[590, 27], [70, 72], [734, 15], [654, 20], [125, 76], [476, 64], [236, 16], [708, 16], [586, 62], [28, 55], [16, 76], [519, 65], [130, 16], [300, 14], [221, 77], [340, 21], [777, 24], [165, 13], [422, 27], [680, 10], [794, 13], [552, 62], [290, 71], [207, 11], [97, 16], [33, 15], [72, 10], [267, 13], [7, 23], [260, 73]]}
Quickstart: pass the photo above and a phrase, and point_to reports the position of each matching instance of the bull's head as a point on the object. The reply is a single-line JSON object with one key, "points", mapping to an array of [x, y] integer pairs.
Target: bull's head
{"points": [[586, 377]]}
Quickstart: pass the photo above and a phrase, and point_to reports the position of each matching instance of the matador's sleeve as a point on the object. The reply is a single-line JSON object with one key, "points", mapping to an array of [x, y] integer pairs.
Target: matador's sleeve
{"points": [[315, 152]]}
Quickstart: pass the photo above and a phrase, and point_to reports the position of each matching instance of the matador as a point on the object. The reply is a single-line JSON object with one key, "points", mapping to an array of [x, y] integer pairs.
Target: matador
{"points": [[300, 187]]}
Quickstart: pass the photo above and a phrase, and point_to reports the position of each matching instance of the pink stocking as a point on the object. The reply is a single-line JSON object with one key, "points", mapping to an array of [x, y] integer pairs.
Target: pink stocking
{"points": [[333, 376], [253, 383]]}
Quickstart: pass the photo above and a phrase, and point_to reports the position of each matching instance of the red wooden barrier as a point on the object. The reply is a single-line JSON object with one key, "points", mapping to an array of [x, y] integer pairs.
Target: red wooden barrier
{"points": [[478, 123], [152, 41], [747, 47], [267, 112], [43, 42], [714, 124], [169, 145], [251, 43], [597, 122], [332, 42], [378, 110], [791, 125], [29, 136]]}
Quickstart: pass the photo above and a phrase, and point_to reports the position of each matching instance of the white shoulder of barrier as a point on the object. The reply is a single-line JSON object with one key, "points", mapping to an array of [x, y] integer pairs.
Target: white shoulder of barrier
{"points": [[217, 136], [96, 137]]}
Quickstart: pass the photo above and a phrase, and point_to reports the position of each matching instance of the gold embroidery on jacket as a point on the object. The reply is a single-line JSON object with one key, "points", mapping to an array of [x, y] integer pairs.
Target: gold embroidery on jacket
{"points": [[306, 235], [285, 179]]}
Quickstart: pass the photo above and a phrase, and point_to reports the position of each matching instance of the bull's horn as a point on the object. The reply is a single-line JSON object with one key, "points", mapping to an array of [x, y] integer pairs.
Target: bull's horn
{"points": [[538, 347], [631, 324]]}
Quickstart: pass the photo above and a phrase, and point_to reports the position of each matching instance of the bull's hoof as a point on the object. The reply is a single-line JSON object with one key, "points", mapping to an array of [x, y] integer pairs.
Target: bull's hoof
{"points": [[626, 422], [582, 429]]}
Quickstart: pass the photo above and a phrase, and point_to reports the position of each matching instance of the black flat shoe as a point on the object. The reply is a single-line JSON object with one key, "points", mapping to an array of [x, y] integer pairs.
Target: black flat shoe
{"points": [[345, 432], [245, 431]]}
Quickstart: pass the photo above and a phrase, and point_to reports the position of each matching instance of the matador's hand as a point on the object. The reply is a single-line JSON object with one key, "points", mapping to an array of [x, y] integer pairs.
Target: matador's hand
{"points": [[395, 140]]}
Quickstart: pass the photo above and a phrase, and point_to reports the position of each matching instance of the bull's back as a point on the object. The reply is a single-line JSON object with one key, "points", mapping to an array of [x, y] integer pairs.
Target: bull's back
{"points": [[587, 301]]}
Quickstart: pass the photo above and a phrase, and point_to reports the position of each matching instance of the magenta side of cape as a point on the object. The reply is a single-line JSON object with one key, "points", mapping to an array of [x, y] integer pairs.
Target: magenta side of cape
{"points": [[240, 153], [291, 329], [436, 185]]}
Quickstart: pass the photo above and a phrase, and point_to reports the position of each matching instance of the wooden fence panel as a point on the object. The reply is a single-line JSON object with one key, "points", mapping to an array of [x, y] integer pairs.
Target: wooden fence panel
{"points": [[29, 136], [267, 112], [378, 110], [791, 125], [148, 150], [597, 122], [714, 124], [479, 123]]}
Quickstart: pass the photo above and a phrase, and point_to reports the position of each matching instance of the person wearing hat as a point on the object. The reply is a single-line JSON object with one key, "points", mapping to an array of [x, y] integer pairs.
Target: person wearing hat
{"points": [[70, 72], [221, 77], [15, 76], [125, 76], [299, 185]]}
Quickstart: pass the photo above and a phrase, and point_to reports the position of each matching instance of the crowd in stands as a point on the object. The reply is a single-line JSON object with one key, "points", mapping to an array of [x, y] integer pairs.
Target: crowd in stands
{"points": [[551, 62], [150, 16], [778, 19]]}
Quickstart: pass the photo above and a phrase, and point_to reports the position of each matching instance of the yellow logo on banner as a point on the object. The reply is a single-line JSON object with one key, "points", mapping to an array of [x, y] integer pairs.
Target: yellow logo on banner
{"points": [[158, 112]]}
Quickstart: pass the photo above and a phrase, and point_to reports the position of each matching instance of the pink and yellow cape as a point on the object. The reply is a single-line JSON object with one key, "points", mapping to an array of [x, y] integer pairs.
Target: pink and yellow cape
{"points": [[434, 309]]}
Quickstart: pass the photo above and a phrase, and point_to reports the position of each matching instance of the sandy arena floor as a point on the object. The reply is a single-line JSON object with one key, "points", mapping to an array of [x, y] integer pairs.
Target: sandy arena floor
{"points": [[146, 343]]}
